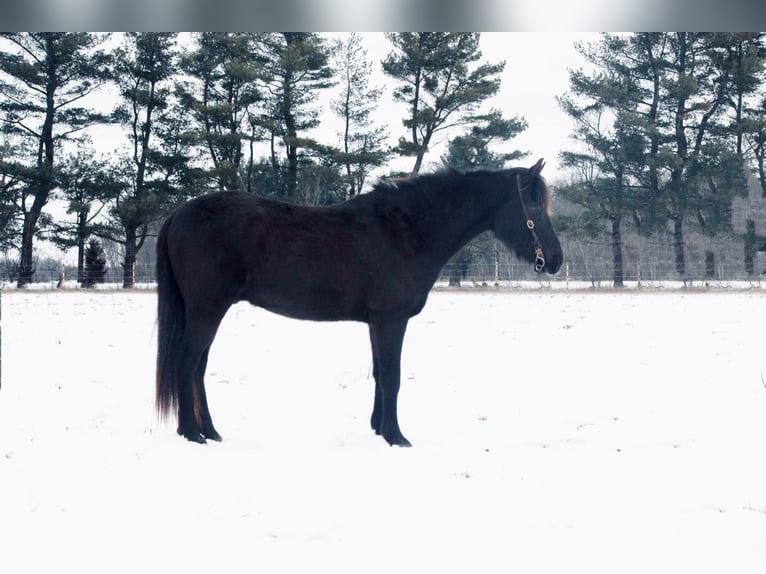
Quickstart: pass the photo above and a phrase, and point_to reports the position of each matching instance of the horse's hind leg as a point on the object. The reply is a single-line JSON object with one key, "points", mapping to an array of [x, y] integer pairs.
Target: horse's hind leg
{"points": [[189, 399], [188, 402], [194, 421], [206, 421]]}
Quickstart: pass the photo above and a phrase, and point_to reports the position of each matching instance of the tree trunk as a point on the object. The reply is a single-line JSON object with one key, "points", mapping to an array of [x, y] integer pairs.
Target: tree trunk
{"points": [[292, 172], [291, 139], [80, 260], [422, 149], [26, 261], [418, 162], [750, 247], [43, 187], [709, 265], [275, 169], [129, 265], [44, 176], [617, 251], [678, 245], [81, 237], [459, 267]]}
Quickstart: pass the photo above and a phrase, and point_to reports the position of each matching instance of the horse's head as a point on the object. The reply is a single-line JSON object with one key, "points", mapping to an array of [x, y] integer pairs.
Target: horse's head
{"points": [[523, 222]]}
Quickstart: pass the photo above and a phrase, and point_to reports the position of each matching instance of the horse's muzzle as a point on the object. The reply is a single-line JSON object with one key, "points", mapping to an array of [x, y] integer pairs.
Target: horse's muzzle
{"points": [[553, 264]]}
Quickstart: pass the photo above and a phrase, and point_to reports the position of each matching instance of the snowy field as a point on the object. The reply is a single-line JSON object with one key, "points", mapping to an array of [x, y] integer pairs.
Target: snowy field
{"points": [[553, 432]]}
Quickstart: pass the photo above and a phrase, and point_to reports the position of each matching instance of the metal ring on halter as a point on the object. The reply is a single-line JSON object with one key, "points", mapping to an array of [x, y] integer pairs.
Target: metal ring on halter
{"points": [[539, 259]]}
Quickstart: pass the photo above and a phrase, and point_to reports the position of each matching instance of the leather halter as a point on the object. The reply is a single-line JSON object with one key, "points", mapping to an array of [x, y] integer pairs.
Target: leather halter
{"points": [[539, 259]]}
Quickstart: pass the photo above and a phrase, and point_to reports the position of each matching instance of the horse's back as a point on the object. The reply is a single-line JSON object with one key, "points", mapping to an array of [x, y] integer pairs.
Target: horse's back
{"points": [[297, 261]]}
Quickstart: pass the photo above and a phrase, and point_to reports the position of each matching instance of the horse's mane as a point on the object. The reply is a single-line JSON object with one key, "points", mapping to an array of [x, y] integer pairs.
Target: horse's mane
{"points": [[423, 183], [418, 181]]}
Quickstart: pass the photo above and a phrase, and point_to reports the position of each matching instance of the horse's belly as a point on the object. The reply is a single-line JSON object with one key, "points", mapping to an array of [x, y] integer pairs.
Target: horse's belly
{"points": [[312, 302]]}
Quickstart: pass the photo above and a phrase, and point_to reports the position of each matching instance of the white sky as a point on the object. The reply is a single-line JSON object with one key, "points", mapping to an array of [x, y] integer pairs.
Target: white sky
{"points": [[537, 71]]}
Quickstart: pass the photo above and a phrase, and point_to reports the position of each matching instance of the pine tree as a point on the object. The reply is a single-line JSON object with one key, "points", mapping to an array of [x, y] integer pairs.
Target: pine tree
{"points": [[297, 66], [437, 84], [11, 186], [87, 184], [145, 65], [221, 95], [43, 78], [757, 138], [95, 264], [743, 55], [474, 149], [362, 146], [606, 109]]}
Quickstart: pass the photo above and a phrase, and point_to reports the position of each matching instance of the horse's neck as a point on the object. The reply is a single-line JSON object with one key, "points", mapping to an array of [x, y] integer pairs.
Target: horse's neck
{"points": [[459, 216]]}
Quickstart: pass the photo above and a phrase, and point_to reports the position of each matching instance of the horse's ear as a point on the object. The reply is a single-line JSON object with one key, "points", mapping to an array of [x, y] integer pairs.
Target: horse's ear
{"points": [[535, 170]]}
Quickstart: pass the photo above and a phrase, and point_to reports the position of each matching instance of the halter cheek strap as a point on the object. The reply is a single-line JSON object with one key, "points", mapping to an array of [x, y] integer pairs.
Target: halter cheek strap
{"points": [[539, 259]]}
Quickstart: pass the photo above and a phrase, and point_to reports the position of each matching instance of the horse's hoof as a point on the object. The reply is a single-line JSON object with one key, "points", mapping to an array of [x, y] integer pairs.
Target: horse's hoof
{"points": [[193, 436], [213, 436], [397, 440]]}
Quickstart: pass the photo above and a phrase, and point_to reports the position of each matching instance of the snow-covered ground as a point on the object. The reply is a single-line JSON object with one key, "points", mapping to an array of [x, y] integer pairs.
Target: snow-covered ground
{"points": [[552, 431]]}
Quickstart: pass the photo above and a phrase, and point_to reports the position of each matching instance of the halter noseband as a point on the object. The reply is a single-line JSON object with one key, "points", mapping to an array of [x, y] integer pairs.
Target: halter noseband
{"points": [[539, 259]]}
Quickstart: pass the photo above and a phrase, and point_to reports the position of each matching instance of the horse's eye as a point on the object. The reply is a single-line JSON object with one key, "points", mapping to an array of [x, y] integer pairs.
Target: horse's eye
{"points": [[534, 202]]}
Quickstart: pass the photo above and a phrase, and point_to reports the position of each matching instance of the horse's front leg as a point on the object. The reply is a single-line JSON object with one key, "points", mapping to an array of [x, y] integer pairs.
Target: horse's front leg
{"points": [[386, 338], [376, 420]]}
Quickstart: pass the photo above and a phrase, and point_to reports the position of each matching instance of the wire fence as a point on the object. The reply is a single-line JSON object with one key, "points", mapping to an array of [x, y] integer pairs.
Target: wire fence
{"points": [[646, 262], [506, 276]]}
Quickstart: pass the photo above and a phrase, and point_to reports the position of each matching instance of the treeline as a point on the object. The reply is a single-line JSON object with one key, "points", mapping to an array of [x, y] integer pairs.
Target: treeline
{"points": [[670, 126], [209, 111]]}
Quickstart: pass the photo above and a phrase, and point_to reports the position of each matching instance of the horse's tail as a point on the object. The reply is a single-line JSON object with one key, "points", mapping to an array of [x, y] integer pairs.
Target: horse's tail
{"points": [[171, 320]]}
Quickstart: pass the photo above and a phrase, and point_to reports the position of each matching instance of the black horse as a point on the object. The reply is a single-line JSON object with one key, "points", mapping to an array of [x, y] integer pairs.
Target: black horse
{"points": [[373, 259]]}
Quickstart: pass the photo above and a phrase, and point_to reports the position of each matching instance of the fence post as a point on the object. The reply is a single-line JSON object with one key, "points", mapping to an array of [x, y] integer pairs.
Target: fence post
{"points": [[566, 273], [638, 273]]}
